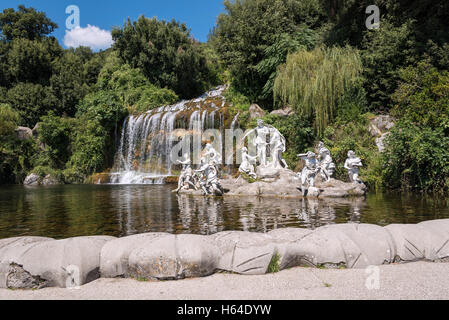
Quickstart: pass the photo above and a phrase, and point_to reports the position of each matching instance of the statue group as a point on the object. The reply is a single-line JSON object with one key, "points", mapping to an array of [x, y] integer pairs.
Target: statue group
{"points": [[270, 145], [267, 139], [206, 178]]}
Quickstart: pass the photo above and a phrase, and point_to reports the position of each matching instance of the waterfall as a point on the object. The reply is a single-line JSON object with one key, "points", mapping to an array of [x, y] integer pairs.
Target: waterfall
{"points": [[143, 155]]}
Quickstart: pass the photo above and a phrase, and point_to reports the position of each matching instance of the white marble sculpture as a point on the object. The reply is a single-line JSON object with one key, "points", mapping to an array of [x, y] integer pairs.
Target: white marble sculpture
{"points": [[262, 132], [277, 144], [247, 166], [212, 155], [186, 179], [309, 172], [278, 147], [210, 183], [353, 165], [326, 163]]}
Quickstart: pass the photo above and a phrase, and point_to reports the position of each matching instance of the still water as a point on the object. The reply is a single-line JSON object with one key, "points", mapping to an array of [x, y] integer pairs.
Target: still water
{"points": [[69, 211]]}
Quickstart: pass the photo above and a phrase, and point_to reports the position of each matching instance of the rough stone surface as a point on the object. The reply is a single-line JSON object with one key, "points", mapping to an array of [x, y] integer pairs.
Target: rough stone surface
{"points": [[33, 262], [62, 263], [24, 133], [32, 180], [50, 181], [424, 241], [114, 258], [286, 185], [244, 252], [256, 112], [173, 257], [348, 245], [285, 112]]}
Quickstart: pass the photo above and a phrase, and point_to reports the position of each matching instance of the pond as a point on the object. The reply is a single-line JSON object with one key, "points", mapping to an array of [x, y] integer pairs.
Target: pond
{"points": [[70, 211]]}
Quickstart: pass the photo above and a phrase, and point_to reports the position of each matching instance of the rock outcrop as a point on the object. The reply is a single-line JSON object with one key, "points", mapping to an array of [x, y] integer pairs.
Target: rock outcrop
{"points": [[34, 263]]}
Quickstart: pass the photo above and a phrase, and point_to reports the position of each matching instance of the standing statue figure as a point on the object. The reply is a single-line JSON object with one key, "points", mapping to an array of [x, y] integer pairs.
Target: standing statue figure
{"points": [[353, 165], [211, 154], [309, 172], [278, 143], [327, 165], [262, 132], [247, 165], [186, 179]]}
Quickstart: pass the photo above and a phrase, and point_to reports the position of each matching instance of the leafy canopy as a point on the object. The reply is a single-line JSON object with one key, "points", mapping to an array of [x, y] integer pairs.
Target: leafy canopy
{"points": [[313, 82]]}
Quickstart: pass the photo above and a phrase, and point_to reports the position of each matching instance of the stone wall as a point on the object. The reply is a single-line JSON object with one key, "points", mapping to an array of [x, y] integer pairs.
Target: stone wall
{"points": [[34, 263]]}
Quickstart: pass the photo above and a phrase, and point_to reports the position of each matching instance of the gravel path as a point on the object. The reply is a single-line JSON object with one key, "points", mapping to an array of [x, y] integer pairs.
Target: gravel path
{"points": [[419, 280]]}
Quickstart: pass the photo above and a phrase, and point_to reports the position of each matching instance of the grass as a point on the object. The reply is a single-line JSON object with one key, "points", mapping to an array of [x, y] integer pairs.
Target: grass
{"points": [[274, 267]]}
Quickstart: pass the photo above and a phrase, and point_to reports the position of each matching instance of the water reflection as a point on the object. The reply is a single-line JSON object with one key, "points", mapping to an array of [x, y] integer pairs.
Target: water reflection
{"points": [[67, 211]]}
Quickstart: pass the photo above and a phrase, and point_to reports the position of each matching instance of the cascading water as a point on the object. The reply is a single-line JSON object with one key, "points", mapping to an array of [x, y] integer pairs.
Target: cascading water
{"points": [[143, 156]]}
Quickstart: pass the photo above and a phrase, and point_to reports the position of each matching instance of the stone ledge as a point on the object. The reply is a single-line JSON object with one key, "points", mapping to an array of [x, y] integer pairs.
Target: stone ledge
{"points": [[33, 262]]}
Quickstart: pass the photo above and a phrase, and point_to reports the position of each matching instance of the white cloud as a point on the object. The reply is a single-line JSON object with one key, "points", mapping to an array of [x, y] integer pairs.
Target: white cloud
{"points": [[91, 36]]}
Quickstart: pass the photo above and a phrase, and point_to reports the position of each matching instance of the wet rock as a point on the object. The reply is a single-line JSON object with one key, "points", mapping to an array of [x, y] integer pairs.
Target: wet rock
{"points": [[51, 263], [340, 189], [49, 180], [256, 112], [174, 257], [244, 252], [32, 180]]}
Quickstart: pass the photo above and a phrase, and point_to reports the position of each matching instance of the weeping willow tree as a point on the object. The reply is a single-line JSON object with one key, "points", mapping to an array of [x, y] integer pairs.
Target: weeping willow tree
{"points": [[313, 82]]}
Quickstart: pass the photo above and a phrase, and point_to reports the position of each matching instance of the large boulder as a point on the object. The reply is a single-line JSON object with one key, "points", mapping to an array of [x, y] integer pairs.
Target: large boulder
{"points": [[283, 113], [24, 133], [256, 112], [425, 241], [160, 257], [41, 262], [32, 180], [114, 258], [345, 245], [244, 252]]}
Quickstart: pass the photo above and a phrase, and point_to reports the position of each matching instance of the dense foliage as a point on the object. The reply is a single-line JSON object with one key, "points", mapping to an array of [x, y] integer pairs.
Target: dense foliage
{"points": [[166, 53], [315, 56], [314, 81]]}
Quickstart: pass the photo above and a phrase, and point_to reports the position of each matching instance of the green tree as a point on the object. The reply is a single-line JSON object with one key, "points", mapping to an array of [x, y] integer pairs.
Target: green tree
{"points": [[249, 27], [55, 134], [68, 83], [313, 82], [417, 151], [165, 52], [32, 101], [9, 119], [31, 61], [26, 23]]}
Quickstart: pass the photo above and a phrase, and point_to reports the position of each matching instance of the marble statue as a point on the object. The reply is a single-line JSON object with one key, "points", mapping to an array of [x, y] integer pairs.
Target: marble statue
{"points": [[186, 180], [212, 155], [210, 183], [262, 132], [247, 165], [278, 143], [326, 163], [310, 170], [353, 165]]}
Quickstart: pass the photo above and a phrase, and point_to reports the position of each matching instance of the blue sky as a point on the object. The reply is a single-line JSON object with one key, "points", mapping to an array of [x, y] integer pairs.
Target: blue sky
{"points": [[199, 15]]}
